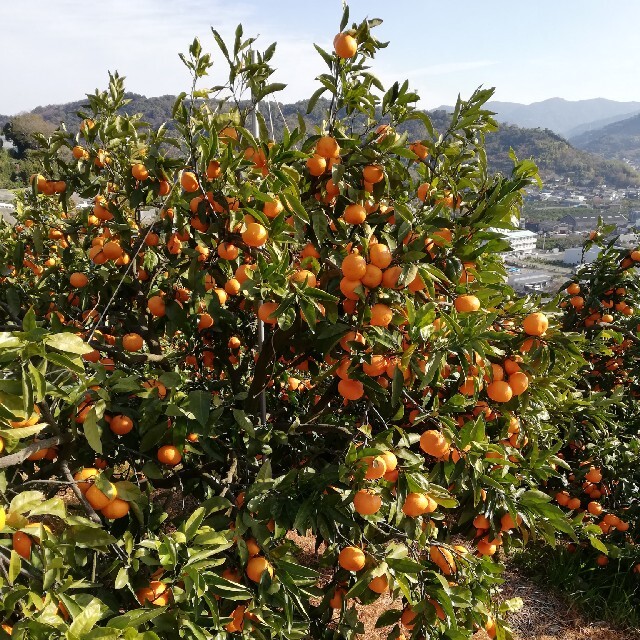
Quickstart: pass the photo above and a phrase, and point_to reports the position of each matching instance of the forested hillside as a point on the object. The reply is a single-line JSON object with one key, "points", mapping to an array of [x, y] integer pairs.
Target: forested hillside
{"points": [[554, 155]]}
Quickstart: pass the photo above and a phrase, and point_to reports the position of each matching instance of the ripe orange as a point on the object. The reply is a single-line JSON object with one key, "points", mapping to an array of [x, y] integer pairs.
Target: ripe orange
{"points": [[390, 461], [169, 455], [328, 147], [97, 499], [594, 475], [354, 266], [466, 304], [375, 368], [594, 508], [380, 255], [22, 544], [408, 617], [121, 425], [256, 567], [486, 547], [519, 382], [499, 391], [157, 593], [355, 214], [417, 504], [434, 443], [189, 181], [156, 306], [78, 280], [132, 342], [273, 208], [345, 45], [266, 311], [213, 170], [316, 165], [350, 288], [535, 324], [373, 173], [376, 467], [232, 287], [118, 508], [351, 389], [84, 474], [139, 172], [80, 153], [381, 315], [112, 250], [379, 584], [366, 502], [255, 235], [423, 191], [351, 559], [443, 558], [337, 599], [227, 251]]}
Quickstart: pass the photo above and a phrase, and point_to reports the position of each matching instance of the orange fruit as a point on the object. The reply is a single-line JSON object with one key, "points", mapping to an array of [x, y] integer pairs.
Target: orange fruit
{"points": [[375, 368], [213, 170], [499, 391], [139, 172], [380, 255], [519, 382], [351, 559], [84, 474], [156, 306], [355, 214], [443, 559], [366, 502], [255, 235], [97, 499], [349, 288], [345, 45], [381, 315], [380, 584], [22, 544], [376, 467], [78, 280], [337, 599], [189, 181], [117, 508], [316, 165], [132, 342], [416, 504], [328, 147], [354, 267], [434, 443], [121, 424], [535, 324], [256, 567], [227, 251], [373, 173], [351, 389], [266, 311], [390, 461], [466, 304], [169, 455]]}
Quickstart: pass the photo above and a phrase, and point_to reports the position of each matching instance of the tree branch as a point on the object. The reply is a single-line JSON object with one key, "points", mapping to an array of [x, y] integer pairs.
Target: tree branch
{"points": [[20, 456]]}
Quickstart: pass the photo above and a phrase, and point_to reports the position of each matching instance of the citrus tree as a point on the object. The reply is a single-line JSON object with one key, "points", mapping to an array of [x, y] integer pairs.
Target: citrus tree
{"points": [[602, 446], [241, 341]]}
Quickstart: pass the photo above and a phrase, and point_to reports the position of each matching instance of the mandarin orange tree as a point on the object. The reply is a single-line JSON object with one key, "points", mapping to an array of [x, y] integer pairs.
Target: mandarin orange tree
{"points": [[161, 461], [603, 444]]}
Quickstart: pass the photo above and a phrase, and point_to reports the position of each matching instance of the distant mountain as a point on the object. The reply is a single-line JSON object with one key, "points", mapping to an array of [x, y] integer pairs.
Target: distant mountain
{"points": [[596, 124], [619, 140], [556, 158], [560, 115]]}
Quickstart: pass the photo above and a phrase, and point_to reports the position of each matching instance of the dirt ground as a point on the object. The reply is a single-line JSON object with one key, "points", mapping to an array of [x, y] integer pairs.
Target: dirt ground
{"points": [[544, 615]]}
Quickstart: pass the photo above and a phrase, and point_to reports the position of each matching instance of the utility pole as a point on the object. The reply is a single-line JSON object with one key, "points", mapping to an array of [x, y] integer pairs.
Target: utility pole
{"points": [[256, 135]]}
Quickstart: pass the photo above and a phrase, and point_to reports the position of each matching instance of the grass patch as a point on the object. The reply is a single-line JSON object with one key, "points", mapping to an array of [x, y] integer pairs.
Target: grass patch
{"points": [[610, 593]]}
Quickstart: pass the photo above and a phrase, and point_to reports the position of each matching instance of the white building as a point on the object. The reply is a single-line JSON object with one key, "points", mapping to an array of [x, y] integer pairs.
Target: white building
{"points": [[574, 255], [522, 241]]}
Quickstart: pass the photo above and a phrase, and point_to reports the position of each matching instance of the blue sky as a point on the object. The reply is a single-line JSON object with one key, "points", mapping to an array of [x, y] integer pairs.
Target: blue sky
{"points": [[57, 50]]}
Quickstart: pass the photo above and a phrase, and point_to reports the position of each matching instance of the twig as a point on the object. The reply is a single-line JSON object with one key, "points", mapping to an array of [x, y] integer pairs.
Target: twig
{"points": [[93, 516]]}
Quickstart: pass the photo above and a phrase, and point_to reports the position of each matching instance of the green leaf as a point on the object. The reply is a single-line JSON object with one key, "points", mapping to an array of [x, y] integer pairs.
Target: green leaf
{"points": [[15, 564], [92, 431], [91, 613], [200, 405], [68, 343], [29, 321]]}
